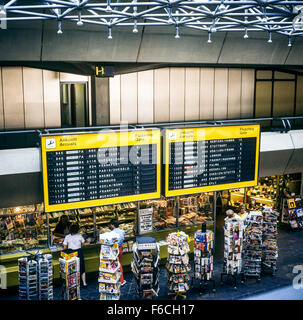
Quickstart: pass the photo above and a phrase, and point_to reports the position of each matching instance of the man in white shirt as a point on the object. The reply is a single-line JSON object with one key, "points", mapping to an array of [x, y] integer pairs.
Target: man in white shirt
{"points": [[115, 228]]}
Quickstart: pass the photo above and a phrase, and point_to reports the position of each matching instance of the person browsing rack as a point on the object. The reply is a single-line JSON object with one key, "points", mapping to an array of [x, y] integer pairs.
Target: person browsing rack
{"points": [[74, 242], [115, 228]]}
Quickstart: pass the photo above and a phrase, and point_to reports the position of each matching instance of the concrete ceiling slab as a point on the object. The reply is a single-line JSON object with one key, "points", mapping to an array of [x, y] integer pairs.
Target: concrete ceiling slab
{"points": [[295, 56], [21, 42], [255, 49], [83, 44], [159, 45]]}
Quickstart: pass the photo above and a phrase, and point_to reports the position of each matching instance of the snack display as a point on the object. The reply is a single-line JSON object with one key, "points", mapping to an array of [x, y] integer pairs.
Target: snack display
{"points": [[203, 255], [178, 263], [253, 244], [70, 275], [145, 267], [233, 246], [109, 268], [270, 245], [36, 277]]}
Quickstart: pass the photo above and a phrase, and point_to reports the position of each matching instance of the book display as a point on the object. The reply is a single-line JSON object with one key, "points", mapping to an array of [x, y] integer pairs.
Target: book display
{"points": [[145, 267], [109, 268], [203, 256], [178, 264], [233, 249], [70, 276], [253, 244], [270, 246], [36, 277]]}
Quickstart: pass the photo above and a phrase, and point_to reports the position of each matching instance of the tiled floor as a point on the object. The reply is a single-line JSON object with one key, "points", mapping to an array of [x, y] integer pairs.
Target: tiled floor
{"points": [[290, 254]]}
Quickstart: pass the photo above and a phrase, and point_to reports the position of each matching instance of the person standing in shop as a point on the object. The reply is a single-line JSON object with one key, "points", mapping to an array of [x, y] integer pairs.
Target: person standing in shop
{"points": [[115, 228], [230, 214], [74, 242], [63, 226], [242, 213]]}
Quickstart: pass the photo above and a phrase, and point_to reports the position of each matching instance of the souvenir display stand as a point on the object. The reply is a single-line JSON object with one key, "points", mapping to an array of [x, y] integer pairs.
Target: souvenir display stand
{"points": [[109, 269], [70, 276], [270, 246], [295, 213], [253, 245], [233, 249], [204, 258], [178, 264], [145, 267], [36, 277]]}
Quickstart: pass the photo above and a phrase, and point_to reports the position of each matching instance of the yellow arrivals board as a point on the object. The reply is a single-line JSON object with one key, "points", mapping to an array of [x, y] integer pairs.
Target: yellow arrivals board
{"points": [[203, 159], [93, 169]]}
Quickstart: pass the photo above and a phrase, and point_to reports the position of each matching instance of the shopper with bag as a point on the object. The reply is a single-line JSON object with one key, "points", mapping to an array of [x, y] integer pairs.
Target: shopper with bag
{"points": [[115, 228]]}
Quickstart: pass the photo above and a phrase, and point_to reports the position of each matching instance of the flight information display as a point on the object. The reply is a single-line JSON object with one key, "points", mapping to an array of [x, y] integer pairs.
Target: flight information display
{"points": [[93, 169], [210, 158]]}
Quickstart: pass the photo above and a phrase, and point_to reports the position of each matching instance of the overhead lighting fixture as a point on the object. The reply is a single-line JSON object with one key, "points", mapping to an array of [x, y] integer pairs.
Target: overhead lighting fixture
{"points": [[209, 37], [79, 22], [289, 42], [135, 30], [245, 34], [59, 27], [108, 8], [269, 38], [2, 10], [177, 36], [109, 33]]}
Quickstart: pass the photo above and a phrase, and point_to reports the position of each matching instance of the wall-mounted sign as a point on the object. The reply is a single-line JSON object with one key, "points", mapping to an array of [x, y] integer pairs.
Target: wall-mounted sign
{"points": [[210, 158], [92, 169], [104, 71], [145, 220]]}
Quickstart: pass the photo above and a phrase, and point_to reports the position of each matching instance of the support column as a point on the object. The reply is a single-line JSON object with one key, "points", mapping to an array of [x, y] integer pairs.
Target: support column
{"points": [[100, 101]]}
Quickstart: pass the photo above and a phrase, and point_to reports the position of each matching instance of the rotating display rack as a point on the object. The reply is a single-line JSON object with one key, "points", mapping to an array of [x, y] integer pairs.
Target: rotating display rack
{"points": [[109, 269], [178, 264], [145, 267]]}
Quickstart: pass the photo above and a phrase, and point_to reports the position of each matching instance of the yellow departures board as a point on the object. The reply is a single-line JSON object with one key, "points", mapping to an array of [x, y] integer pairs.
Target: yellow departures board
{"points": [[210, 158], [94, 169]]}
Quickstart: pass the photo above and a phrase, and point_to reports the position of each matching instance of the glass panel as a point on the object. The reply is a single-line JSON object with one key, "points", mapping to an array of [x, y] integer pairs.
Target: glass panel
{"points": [[22, 228], [79, 106], [299, 101], [284, 75], [263, 101], [284, 98], [264, 74], [73, 105]]}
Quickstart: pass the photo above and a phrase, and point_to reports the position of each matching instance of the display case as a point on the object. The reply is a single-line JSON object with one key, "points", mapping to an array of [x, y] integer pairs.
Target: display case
{"points": [[164, 213], [195, 209], [22, 228]]}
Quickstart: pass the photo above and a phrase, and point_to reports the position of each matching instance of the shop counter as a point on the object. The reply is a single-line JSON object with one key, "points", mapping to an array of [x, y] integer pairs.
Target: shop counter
{"points": [[91, 254]]}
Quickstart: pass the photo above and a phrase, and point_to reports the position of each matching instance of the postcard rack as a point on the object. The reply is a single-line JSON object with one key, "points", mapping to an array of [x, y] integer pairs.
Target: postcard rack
{"points": [[253, 245], [109, 269], [70, 276], [145, 267], [270, 245], [204, 259], [178, 264], [233, 248], [36, 277]]}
